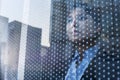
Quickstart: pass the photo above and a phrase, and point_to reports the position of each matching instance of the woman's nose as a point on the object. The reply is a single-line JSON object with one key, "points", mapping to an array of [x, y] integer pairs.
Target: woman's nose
{"points": [[74, 23]]}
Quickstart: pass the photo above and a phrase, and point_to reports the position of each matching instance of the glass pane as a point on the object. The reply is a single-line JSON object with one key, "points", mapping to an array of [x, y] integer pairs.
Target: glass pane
{"points": [[60, 40]]}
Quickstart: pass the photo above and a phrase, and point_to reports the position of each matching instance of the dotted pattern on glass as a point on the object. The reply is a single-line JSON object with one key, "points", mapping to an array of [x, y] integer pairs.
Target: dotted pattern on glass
{"points": [[84, 43]]}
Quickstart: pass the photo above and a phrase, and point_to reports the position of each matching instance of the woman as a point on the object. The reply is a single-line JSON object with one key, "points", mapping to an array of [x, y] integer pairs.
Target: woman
{"points": [[83, 31]]}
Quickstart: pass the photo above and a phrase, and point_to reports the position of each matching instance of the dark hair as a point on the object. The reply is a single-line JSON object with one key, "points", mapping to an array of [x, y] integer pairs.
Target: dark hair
{"points": [[94, 12]]}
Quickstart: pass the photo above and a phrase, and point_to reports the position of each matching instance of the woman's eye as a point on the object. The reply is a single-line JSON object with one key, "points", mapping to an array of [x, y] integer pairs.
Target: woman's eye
{"points": [[69, 20], [81, 18]]}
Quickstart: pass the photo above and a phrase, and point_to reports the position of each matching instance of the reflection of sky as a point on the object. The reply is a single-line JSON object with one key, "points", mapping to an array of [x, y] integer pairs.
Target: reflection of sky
{"points": [[39, 14]]}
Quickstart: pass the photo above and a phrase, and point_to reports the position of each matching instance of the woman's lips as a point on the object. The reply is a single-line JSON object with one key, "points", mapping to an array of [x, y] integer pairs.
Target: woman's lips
{"points": [[75, 33]]}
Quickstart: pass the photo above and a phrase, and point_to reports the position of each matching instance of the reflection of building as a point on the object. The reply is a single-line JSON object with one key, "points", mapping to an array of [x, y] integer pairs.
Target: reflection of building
{"points": [[3, 45], [29, 63], [58, 21], [44, 50], [55, 60], [14, 33], [33, 64]]}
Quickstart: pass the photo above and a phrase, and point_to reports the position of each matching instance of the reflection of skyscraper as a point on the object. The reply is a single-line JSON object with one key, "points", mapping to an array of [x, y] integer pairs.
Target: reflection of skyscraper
{"points": [[30, 60], [58, 21], [33, 66], [14, 34], [55, 69], [3, 45]]}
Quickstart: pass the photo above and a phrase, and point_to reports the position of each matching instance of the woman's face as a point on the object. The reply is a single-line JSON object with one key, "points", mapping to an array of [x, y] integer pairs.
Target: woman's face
{"points": [[80, 25]]}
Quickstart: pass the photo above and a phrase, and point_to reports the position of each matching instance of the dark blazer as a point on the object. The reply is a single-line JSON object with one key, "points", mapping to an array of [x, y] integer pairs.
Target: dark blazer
{"points": [[105, 65]]}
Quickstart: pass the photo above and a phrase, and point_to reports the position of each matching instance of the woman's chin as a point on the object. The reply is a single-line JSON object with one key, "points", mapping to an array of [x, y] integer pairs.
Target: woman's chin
{"points": [[75, 39]]}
